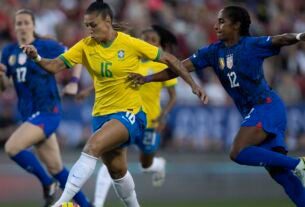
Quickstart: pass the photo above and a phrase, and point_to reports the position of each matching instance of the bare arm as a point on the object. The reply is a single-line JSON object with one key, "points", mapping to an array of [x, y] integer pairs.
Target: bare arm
{"points": [[168, 74], [72, 87], [50, 65], [287, 39], [177, 67], [171, 102], [3, 79]]}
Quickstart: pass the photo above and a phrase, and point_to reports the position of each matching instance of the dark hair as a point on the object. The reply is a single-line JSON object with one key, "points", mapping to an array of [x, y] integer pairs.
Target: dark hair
{"points": [[26, 11], [100, 8], [167, 39], [239, 14]]}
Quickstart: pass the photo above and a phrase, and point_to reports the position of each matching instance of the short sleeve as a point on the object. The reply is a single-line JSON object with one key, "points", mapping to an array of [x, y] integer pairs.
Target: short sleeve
{"points": [[145, 49], [5, 59], [201, 59], [74, 55], [263, 47], [171, 82], [54, 49]]}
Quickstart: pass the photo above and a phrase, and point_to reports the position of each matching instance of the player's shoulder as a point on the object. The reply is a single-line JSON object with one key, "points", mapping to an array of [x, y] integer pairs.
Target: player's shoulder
{"points": [[10, 47], [48, 43]]}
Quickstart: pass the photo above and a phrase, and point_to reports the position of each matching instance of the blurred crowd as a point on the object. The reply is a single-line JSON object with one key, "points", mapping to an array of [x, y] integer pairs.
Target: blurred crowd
{"points": [[192, 21]]}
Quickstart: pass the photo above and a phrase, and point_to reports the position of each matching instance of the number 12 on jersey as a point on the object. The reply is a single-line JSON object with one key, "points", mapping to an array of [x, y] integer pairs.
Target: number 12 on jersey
{"points": [[232, 77]]}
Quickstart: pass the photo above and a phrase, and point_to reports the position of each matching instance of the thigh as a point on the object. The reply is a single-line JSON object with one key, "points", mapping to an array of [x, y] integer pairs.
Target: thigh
{"points": [[116, 162], [25, 136], [49, 153], [110, 136], [249, 136]]}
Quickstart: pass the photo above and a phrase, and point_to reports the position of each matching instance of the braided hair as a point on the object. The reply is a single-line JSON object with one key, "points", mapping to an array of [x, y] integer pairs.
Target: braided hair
{"points": [[239, 14]]}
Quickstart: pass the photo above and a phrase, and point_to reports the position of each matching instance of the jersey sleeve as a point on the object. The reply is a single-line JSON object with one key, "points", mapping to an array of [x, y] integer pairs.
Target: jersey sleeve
{"points": [[263, 47], [5, 59], [54, 49], [170, 83], [200, 59], [74, 55], [146, 50]]}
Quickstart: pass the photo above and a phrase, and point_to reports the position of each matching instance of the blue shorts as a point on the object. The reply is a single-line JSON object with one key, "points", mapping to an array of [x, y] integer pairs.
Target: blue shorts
{"points": [[150, 142], [47, 121], [272, 118], [135, 124]]}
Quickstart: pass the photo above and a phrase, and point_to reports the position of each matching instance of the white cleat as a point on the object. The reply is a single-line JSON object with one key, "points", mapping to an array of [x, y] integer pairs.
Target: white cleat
{"points": [[158, 177], [300, 170]]}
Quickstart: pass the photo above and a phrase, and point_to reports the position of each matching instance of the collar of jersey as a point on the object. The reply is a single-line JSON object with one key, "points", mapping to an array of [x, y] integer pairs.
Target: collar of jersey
{"points": [[239, 41], [109, 43]]}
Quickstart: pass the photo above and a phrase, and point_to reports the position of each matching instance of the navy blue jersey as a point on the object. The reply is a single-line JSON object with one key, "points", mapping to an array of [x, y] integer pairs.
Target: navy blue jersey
{"points": [[36, 88], [239, 68]]}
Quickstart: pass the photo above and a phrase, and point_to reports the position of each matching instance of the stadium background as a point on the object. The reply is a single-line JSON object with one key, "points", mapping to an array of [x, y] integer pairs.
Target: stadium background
{"points": [[197, 137]]}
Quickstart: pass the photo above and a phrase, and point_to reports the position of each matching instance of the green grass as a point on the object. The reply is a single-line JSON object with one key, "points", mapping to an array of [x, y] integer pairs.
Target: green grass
{"points": [[250, 203]]}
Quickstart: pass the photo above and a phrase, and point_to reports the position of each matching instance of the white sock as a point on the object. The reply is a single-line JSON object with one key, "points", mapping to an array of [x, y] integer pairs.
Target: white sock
{"points": [[79, 174], [102, 185], [125, 190], [156, 166], [301, 165]]}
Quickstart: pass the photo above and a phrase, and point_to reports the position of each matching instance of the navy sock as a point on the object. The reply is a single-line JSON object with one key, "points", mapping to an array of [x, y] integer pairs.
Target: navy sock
{"points": [[28, 161], [257, 156], [79, 198], [292, 185]]}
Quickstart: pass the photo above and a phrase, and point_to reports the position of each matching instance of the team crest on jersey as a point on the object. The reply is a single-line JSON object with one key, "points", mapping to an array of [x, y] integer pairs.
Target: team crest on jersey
{"points": [[121, 54], [221, 62], [22, 58], [229, 61], [12, 60]]}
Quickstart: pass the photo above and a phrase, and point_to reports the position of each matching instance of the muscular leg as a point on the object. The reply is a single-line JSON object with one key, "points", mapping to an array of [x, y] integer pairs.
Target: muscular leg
{"points": [[291, 184], [24, 137], [116, 162], [245, 150], [110, 136], [49, 153]]}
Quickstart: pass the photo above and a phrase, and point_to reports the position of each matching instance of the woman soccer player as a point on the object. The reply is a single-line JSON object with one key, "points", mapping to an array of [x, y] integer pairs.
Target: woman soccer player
{"points": [[118, 119], [237, 60], [150, 94], [39, 106]]}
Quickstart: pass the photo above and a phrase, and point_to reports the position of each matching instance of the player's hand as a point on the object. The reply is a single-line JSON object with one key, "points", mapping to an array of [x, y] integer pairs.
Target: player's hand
{"points": [[30, 51], [135, 79], [200, 93], [70, 89], [2, 70]]}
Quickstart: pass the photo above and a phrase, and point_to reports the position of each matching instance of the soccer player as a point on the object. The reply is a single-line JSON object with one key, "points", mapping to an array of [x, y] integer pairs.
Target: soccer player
{"points": [[150, 94], [118, 119], [39, 106], [237, 60]]}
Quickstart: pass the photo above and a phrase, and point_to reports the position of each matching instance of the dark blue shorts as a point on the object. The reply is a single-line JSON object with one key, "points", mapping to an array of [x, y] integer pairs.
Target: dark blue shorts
{"points": [[150, 142], [272, 118], [47, 121], [135, 124]]}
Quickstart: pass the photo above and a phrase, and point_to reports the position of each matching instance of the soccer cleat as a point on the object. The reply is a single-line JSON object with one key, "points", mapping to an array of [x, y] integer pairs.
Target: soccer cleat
{"points": [[49, 193], [158, 177], [300, 170]]}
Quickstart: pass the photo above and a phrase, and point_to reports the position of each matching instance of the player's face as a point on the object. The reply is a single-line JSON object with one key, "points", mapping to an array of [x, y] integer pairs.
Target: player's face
{"points": [[24, 27], [224, 28], [152, 38], [98, 27]]}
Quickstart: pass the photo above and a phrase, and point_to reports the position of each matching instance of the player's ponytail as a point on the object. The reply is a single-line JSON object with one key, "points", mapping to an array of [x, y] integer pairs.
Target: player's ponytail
{"points": [[239, 14]]}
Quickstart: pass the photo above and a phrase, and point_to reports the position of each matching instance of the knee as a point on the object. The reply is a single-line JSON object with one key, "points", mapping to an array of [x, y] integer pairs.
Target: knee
{"points": [[11, 149], [117, 171], [234, 152], [92, 149], [54, 167]]}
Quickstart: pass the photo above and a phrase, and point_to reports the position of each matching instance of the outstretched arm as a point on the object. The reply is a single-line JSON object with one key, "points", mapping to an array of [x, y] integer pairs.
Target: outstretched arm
{"points": [[50, 65], [287, 39], [72, 87]]}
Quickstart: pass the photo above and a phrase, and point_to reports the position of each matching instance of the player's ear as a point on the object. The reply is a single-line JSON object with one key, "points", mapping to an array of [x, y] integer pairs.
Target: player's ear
{"points": [[236, 25]]}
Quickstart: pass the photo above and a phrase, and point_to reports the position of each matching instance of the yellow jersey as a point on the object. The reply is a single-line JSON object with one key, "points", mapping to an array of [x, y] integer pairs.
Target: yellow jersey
{"points": [[151, 92], [109, 67]]}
